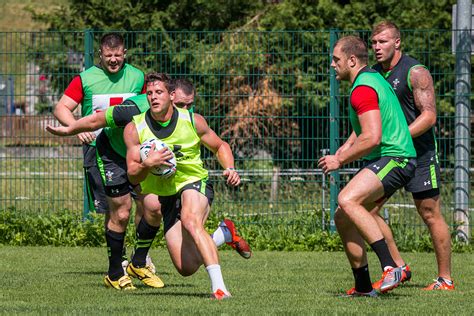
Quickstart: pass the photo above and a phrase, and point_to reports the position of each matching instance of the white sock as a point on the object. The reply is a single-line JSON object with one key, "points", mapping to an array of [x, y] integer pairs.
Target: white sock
{"points": [[215, 274], [221, 235]]}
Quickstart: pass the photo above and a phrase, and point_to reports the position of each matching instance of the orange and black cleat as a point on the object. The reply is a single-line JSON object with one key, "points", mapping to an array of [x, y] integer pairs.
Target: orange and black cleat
{"points": [[406, 276], [440, 284], [237, 243]]}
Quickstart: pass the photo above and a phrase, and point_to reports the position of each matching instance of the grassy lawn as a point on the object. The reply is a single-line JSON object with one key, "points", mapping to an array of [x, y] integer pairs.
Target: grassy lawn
{"points": [[48, 280]]}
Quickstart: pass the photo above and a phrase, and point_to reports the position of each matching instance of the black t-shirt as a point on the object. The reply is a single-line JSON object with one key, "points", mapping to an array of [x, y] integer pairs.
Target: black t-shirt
{"points": [[398, 77]]}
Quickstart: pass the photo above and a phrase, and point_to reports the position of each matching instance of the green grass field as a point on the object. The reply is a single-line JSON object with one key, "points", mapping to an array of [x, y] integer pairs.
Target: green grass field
{"points": [[48, 280]]}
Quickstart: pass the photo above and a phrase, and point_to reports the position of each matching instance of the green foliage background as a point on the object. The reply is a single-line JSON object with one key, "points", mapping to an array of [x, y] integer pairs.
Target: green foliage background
{"points": [[254, 51], [248, 51], [284, 234], [199, 15]]}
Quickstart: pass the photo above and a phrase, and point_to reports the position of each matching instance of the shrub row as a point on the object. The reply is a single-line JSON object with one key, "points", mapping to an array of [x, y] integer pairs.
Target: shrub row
{"points": [[300, 233]]}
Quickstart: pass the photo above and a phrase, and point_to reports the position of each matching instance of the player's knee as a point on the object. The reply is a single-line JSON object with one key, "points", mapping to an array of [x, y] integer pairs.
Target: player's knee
{"points": [[430, 215], [154, 213], [344, 202], [191, 224], [123, 216]]}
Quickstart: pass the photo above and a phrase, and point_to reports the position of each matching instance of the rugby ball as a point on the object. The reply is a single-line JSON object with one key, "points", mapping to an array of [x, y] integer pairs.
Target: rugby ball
{"points": [[161, 171]]}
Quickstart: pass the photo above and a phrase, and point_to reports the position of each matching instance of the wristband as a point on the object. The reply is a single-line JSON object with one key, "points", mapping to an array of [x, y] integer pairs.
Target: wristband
{"points": [[230, 168]]}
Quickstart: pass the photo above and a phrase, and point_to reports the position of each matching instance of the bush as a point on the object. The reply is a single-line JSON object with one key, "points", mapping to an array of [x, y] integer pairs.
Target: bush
{"points": [[299, 233]]}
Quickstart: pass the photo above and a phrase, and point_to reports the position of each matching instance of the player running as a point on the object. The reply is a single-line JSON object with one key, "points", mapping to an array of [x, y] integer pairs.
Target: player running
{"points": [[116, 118], [381, 138]]}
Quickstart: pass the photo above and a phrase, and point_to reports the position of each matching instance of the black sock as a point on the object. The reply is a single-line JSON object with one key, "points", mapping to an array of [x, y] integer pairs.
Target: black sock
{"points": [[381, 249], [145, 235], [115, 243], [362, 279]]}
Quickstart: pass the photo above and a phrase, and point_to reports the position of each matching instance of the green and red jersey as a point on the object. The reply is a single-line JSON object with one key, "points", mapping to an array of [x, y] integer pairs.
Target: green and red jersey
{"points": [[396, 140]]}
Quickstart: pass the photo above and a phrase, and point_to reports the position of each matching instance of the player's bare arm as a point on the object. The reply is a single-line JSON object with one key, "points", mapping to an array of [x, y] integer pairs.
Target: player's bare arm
{"points": [[86, 124], [347, 144], [138, 170], [219, 147], [368, 139], [63, 113], [63, 110], [423, 93]]}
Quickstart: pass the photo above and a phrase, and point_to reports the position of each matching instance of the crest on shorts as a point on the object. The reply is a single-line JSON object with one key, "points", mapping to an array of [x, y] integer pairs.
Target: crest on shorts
{"points": [[109, 174]]}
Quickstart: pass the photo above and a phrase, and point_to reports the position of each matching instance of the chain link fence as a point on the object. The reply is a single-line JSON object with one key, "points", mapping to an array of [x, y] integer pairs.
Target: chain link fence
{"points": [[269, 94]]}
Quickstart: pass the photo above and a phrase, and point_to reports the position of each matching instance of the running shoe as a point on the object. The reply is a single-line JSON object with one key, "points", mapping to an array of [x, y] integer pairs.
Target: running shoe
{"points": [[406, 276], [124, 283], [392, 277], [145, 275], [220, 295], [440, 284], [237, 243]]}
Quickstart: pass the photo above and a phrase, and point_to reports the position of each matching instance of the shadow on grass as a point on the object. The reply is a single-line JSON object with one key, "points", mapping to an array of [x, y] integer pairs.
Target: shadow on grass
{"points": [[103, 273], [167, 285], [173, 294], [390, 295]]}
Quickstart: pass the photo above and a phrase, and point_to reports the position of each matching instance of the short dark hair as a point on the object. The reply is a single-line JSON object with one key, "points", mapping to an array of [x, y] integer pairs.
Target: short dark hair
{"points": [[155, 76], [386, 25], [184, 84], [354, 45], [112, 40]]}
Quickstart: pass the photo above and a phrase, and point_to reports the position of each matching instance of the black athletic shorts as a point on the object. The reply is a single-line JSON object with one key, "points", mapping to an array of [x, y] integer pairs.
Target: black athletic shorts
{"points": [[393, 172], [171, 205], [94, 190], [113, 168], [426, 182]]}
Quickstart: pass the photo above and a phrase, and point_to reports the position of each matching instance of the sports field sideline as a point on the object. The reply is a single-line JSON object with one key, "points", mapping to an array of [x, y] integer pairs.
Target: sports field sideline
{"points": [[65, 280]]}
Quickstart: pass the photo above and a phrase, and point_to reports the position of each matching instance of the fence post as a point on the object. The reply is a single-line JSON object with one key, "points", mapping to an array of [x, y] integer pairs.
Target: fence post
{"points": [[333, 131], [88, 62], [88, 49], [462, 124]]}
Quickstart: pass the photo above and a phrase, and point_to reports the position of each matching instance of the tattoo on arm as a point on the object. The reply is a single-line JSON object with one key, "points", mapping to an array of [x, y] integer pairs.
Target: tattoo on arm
{"points": [[423, 89]]}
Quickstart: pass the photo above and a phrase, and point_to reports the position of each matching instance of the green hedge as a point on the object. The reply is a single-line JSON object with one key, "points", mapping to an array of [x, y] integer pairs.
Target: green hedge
{"points": [[300, 233]]}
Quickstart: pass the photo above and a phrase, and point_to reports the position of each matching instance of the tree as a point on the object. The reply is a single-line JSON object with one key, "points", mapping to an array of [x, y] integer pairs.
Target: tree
{"points": [[259, 71]]}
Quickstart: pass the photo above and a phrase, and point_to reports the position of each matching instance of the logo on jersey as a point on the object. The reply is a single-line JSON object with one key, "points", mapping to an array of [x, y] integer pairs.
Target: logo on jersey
{"points": [[376, 167], [101, 102], [176, 151], [427, 183], [395, 82]]}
